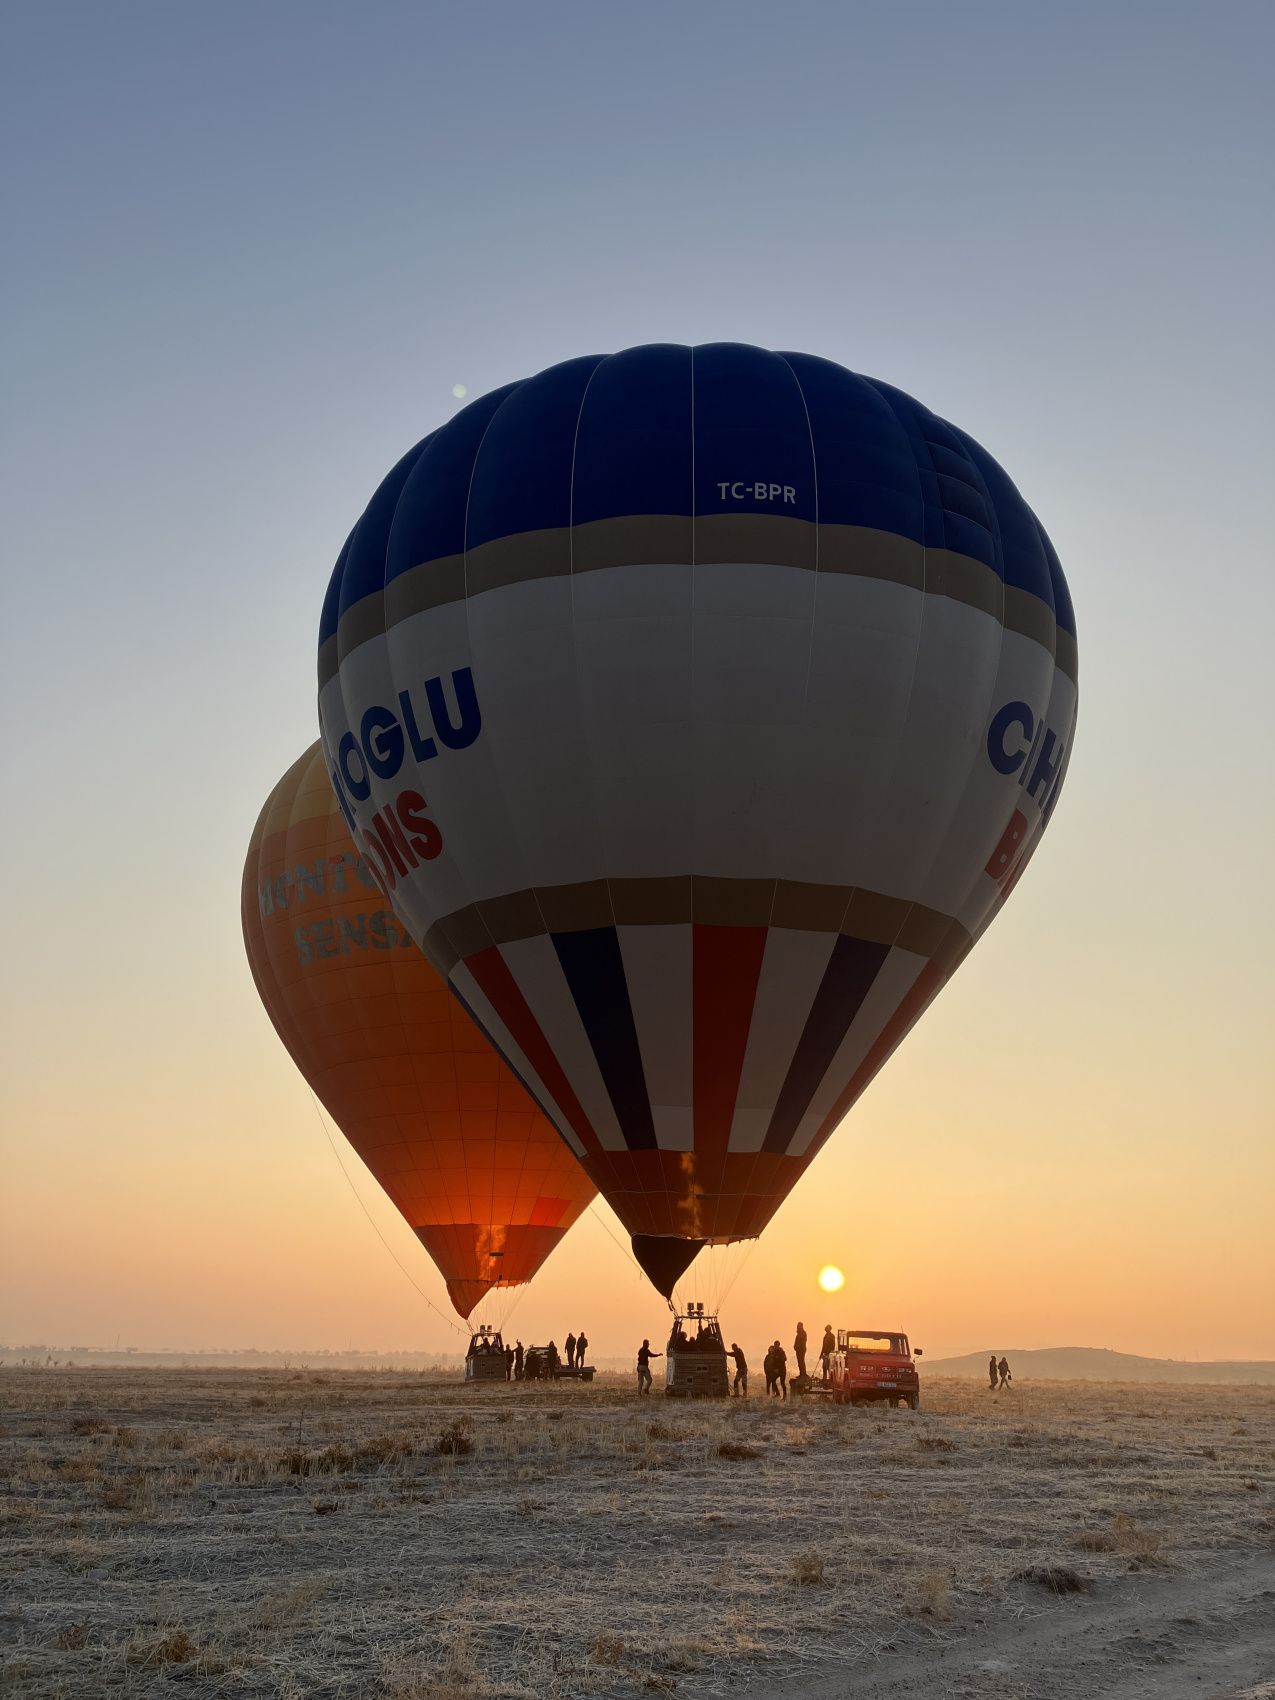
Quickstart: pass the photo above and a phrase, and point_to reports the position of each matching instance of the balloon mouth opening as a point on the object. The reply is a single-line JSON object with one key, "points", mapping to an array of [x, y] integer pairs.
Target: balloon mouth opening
{"points": [[664, 1259]]}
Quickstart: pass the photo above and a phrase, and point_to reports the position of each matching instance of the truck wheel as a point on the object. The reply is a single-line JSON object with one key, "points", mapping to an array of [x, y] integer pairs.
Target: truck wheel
{"points": [[914, 1402]]}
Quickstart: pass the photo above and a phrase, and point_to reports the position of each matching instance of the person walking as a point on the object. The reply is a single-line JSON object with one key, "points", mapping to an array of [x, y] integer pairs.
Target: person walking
{"points": [[509, 1363], [571, 1351], [779, 1359], [740, 1385], [799, 1349], [582, 1346], [645, 1354], [991, 1373], [1003, 1370], [827, 1347]]}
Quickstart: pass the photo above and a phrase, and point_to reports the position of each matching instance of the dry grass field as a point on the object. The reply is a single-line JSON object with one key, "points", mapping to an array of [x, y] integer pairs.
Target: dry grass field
{"points": [[297, 1534]]}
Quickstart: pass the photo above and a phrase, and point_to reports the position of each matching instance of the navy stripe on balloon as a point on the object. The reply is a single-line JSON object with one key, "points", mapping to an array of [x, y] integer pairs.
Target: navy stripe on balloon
{"points": [[429, 521], [522, 472], [634, 452], [364, 572], [504, 466], [331, 615], [753, 451], [594, 969], [852, 967]]}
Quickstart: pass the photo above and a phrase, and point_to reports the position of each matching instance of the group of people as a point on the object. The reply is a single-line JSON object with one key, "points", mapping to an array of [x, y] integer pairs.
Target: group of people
{"points": [[576, 1346], [997, 1373], [775, 1363]]}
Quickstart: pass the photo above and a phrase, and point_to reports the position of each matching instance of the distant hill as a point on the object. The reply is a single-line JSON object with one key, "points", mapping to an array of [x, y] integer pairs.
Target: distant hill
{"points": [[1093, 1363]]}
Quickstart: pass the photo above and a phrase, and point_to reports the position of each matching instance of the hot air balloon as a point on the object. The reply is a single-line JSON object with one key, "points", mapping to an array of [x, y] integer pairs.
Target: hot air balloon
{"points": [[697, 709], [438, 1118]]}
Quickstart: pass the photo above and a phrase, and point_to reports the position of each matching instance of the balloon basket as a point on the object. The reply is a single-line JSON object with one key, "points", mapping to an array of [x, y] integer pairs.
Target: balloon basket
{"points": [[695, 1357]]}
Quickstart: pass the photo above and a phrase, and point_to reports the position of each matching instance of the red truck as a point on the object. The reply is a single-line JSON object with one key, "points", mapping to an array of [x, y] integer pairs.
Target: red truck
{"points": [[871, 1366]]}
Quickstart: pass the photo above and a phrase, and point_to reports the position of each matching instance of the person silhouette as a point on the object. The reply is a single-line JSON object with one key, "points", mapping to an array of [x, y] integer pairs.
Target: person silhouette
{"points": [[799, 1349], [582, 1345], [1003, 1369], [645, 1354], [740, 1385], [571, 1351], [991, 1373], [827, 1347]]}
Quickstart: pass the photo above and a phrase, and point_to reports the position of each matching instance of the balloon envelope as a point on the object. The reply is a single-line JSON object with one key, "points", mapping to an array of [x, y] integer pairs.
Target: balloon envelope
{"points": [[697, 710], [417, 1090]]}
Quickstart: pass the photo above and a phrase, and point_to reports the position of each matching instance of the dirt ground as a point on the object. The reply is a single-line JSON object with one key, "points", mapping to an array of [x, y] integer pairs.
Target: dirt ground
{"points": [[293, 1534]]}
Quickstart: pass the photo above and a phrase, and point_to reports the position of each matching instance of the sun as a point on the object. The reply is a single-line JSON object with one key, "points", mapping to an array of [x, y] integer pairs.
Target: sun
{"points": [[831, 1279]]}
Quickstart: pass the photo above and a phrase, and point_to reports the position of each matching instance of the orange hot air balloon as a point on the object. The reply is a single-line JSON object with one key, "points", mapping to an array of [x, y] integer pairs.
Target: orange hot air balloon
{"points": [[442, 1122]]}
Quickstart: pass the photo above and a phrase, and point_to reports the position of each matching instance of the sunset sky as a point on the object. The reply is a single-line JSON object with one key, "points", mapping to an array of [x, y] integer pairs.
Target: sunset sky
{"points": [[250, 251]]}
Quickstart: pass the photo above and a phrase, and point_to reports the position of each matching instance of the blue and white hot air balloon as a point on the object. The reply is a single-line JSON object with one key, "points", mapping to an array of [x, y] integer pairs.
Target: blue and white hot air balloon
{"points": [[698, 709]]}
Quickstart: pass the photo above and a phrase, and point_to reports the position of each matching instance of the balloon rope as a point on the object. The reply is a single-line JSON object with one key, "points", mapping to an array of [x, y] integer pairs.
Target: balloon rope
{"points": [[455, 1327], [602, 1222], [739, 1269]]}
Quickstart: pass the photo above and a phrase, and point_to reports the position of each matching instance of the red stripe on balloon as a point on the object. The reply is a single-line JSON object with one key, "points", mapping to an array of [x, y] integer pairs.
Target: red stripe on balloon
{"points": [[498, 985], [919, 994], [726, 966]]}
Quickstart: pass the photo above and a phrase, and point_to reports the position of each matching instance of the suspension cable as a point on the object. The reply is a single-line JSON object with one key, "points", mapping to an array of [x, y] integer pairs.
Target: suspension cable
{"points": [[454, 1326]]}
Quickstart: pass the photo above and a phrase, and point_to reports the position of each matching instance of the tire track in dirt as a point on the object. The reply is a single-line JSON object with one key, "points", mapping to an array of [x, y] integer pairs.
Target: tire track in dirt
{"points": [[1209, 1635]]}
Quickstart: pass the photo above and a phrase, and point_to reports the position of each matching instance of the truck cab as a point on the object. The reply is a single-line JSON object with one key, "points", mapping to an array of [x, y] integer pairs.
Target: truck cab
{"points": [[874, 1366]]}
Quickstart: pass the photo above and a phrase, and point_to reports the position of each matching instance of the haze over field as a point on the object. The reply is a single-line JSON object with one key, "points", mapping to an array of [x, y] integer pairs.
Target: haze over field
{"points": [[1085, 1363], [1059, 1363], [254, 253]]}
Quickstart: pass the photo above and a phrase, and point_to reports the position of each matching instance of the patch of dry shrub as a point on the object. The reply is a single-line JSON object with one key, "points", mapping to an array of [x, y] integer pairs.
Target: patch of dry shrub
{"points": [[933, 1590], [456, 1676], [81, 1469], [935, 1443], [174, 1647], [807, 1569], [606, 1649], [456, 1440], [738, 1450], [287, 1606], [1144, 1548], [1057, 1578]]}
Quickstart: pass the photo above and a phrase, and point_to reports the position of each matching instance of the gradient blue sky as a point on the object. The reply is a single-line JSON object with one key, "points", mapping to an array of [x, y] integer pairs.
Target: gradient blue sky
{"points": [[248, 252]]}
